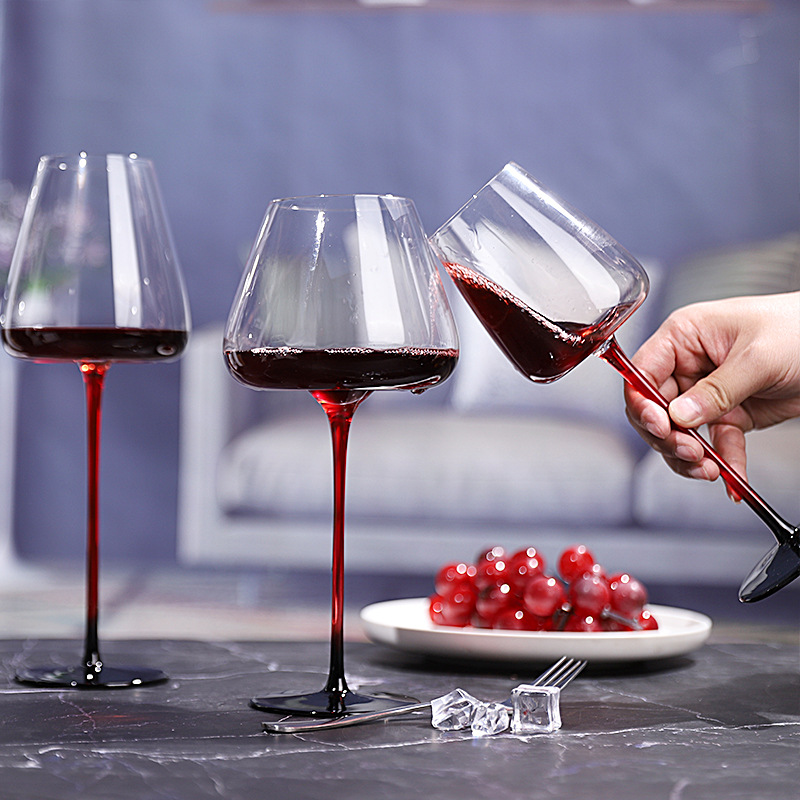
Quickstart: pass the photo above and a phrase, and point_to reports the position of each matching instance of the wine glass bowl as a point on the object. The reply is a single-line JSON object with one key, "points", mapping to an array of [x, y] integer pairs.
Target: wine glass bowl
{"points": [[551, 288], [340, 296], [95, 251], [516, 247], [338, 282], [94, 280]]}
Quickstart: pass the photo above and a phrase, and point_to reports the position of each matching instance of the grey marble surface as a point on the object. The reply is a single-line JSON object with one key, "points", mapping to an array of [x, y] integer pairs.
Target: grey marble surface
{"points": [[723, 722]]}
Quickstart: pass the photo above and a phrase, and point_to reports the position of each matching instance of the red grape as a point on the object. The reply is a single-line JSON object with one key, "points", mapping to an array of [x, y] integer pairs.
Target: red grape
{"points": [[454, 574], [589, 594], [647, 622], [523, 566], [491, 601], [543, 595], [583, 623], [454, 608], [574, 561], [643, 621], [492, 554], [597, 569], [517, 618], [628, 596], [490, 572]]}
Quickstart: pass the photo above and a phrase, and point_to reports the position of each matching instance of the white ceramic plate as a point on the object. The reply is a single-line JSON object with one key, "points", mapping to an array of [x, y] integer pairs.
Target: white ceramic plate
{"points": [[405, 624]]}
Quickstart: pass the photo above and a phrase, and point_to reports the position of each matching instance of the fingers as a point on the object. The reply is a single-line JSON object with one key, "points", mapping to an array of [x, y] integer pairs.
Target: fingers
{"points": [[681, 451], [686, 456], [650, 420], [729, 441], [712, 397], [646, 416], [703, 470]]}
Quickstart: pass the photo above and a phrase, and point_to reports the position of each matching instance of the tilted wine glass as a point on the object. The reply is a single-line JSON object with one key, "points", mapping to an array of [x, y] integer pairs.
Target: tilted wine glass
{"points": [[551, 288], [341, 295], [94, 280]]}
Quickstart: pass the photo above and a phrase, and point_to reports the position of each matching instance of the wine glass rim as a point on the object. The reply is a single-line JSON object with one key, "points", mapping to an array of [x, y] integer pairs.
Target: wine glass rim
{"points": [[510, 166], [309, 198], [83, 159]]}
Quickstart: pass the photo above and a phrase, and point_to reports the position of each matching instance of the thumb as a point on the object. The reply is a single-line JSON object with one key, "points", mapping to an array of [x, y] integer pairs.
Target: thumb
{"points": [[714, 395]]}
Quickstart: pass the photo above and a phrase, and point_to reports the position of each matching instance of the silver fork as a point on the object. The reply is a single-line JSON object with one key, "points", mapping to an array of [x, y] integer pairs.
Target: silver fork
{"points": [[558, 675]]}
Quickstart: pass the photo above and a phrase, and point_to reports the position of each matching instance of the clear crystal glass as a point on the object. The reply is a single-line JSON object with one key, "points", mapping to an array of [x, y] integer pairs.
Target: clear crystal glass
{"points": [[95, 281], [341, 296]]}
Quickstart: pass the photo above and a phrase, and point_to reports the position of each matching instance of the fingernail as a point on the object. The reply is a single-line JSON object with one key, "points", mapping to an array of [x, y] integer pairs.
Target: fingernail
{"points": [[656, 422], [698, 472], [654, 429], [685, 411], [685, 452]]}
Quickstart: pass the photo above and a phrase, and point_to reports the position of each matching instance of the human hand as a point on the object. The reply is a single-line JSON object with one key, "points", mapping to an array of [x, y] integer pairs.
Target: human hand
{"points": [[733, 364]]}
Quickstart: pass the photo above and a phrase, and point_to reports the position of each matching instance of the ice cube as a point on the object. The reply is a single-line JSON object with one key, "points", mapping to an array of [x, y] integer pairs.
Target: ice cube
{"points": [[453, 711], [490, 718], [536, 709]]}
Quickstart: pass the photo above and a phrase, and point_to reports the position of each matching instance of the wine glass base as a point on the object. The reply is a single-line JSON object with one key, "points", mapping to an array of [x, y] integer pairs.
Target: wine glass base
{"points": [[329, 703], [778, 568], [82, 678]]}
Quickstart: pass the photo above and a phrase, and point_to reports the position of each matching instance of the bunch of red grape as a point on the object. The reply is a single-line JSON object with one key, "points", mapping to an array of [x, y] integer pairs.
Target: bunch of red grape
{"points": [[515, 592]]}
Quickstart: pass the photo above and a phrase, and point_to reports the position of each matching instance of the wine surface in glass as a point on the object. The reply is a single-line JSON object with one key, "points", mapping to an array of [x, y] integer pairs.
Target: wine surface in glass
{"points": [[541, 349], [342, 368], [94, 344]]}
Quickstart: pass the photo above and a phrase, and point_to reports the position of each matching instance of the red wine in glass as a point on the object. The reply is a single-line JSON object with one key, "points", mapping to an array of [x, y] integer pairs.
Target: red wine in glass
{"points": [[94, 344], [359, 368], [340, 380], [94, 280], [541, 349]]}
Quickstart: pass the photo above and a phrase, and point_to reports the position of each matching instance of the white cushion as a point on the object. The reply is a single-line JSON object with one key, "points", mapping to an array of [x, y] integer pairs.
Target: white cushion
{"points": [[434, 464], [769, 267]]}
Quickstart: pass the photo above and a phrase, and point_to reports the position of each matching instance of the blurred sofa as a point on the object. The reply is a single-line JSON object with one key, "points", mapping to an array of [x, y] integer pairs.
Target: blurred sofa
{"points": [[487, 458]]}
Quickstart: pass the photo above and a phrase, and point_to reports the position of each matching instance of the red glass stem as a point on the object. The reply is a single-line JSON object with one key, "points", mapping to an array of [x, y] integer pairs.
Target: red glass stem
{"points": [[93, 375], [340, 407], [612, 354]]}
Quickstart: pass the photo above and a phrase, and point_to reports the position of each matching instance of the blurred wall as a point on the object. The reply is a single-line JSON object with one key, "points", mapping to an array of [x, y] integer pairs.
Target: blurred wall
{"points": [[674, 131]]}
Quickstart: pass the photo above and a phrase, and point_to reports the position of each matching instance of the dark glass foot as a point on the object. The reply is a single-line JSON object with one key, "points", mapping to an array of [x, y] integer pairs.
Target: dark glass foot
{"points": [[90, 678], [779, 567], [328, 704]]}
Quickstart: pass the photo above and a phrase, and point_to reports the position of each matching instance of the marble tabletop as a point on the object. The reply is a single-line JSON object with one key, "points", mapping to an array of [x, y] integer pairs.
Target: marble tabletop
{"points": [[722, 722]]}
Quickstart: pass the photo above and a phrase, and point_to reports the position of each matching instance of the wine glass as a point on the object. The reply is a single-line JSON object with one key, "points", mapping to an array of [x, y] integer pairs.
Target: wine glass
{"points": [[94, 280], [551, 288], [340, 296]]}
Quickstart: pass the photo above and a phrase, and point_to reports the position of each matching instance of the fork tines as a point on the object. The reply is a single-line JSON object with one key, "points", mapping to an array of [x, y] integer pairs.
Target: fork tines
{"points": [[561, 673]]}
